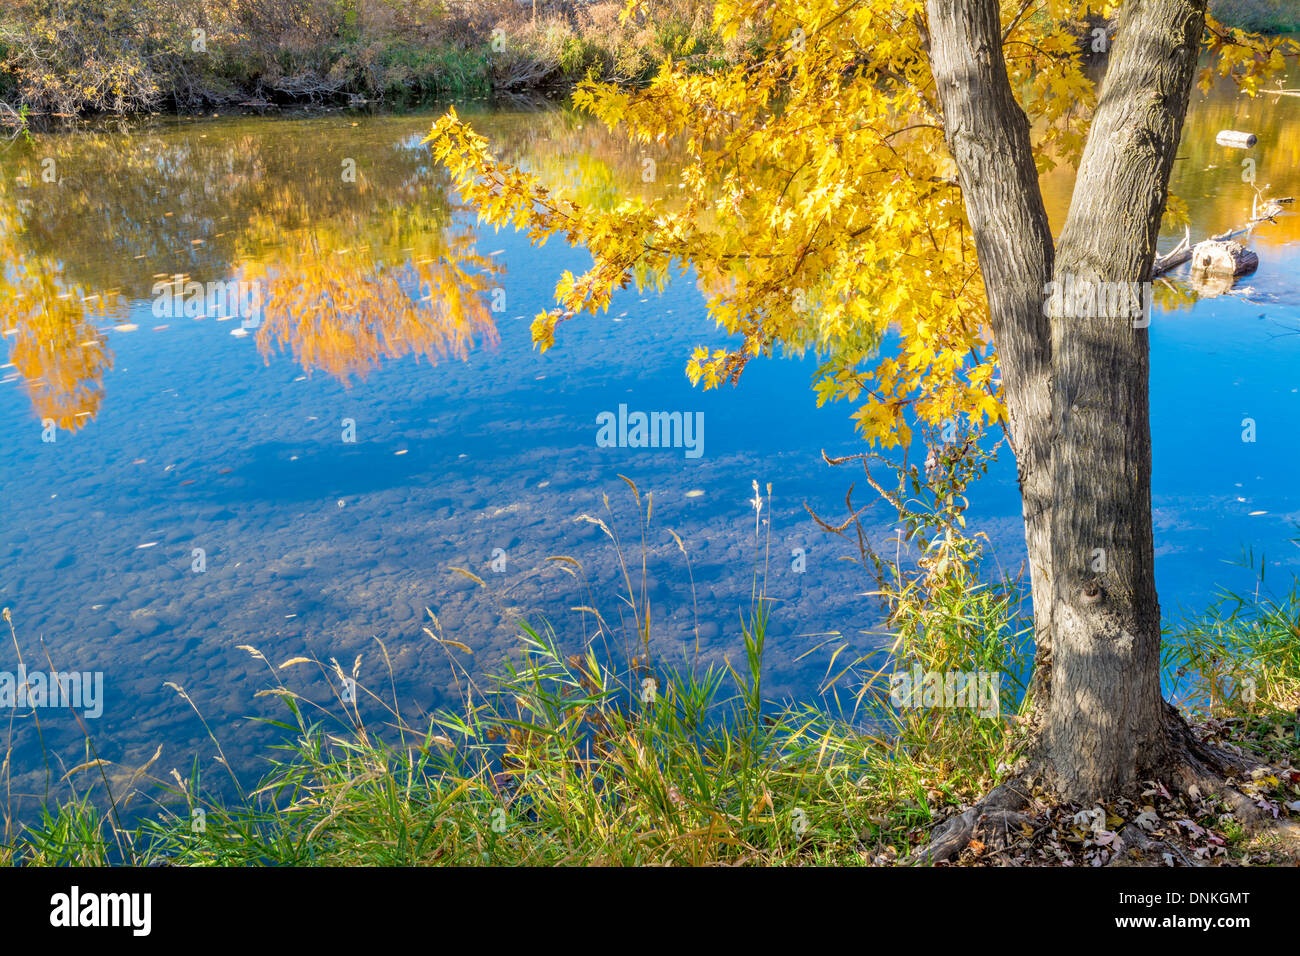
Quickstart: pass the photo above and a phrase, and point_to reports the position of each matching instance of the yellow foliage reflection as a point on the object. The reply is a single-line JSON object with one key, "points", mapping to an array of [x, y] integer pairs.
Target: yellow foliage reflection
{"points": [[55, 343], [342, 311], [61, 354], [349, 273]]}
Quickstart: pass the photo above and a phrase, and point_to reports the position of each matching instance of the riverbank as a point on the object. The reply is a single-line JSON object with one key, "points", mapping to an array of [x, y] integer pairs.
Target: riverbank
{"points": [[117, 57], [565, 763], [192, 55]]}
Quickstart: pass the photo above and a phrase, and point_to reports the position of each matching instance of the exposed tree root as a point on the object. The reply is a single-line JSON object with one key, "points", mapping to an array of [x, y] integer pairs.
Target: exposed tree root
{"points": [[1135, 848], [993, 816], [1197, 767], [1193, 768]]}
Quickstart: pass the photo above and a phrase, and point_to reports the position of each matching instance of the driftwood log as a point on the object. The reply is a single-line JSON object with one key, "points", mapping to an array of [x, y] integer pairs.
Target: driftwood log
{"points": [[1235, 139], [1265, 212], [1230, 258]]}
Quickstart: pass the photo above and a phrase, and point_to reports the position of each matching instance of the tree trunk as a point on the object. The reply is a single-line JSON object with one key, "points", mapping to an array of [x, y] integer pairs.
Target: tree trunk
{"points": [[988, 135], [1106, 716], [1076, 388]]}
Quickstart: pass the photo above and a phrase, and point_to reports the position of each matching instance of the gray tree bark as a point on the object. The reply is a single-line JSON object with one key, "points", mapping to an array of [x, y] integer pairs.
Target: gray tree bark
{"points": [[988, 135], [1105, 717], [1077, 387]]}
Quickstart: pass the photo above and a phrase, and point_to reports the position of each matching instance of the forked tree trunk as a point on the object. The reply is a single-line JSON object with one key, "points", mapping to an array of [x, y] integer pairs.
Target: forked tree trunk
{"points": [[1077, 387]]}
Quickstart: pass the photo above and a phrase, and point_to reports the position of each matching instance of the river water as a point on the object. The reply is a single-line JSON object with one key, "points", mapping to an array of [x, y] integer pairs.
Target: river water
{"points": [[176, 485]]}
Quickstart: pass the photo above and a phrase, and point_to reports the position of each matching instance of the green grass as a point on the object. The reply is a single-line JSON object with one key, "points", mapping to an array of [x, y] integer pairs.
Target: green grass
{"points": [[1242, 650], [582, 755], [411, 73], [586, 755], [565, 763]]}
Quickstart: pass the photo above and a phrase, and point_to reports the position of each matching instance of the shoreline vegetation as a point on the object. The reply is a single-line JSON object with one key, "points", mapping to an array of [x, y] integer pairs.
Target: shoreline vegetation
{"points": [[588, 750], [67, 59], [75, 58]]}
